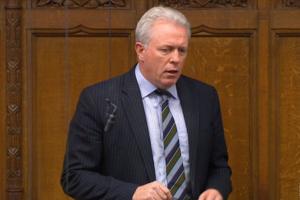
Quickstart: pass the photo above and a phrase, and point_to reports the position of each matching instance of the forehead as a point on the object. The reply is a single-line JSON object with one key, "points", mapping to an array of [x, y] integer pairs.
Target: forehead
{"points": [[166, 30]]}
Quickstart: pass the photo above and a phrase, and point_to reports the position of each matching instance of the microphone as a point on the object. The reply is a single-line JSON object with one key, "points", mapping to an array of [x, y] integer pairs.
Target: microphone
{"points": [[111, 113]]}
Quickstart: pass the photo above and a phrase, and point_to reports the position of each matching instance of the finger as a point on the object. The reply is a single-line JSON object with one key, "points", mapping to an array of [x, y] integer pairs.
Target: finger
{"points": [[153, 191], [211, 196], [219, 198], [166, 191], [160, 193], [203, 196]]}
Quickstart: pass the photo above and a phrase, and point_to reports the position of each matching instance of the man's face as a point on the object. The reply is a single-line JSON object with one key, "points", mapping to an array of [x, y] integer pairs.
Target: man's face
{"points": [[161, 60]]}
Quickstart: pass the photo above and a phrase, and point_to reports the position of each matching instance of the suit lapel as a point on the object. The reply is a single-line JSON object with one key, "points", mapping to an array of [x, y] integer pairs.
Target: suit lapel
{"points": [[189, 106], [134, 109]]}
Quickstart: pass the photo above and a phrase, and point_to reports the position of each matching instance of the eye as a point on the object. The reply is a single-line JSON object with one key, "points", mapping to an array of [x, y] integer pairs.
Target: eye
{"points": [[182, 51], [165, 50]]}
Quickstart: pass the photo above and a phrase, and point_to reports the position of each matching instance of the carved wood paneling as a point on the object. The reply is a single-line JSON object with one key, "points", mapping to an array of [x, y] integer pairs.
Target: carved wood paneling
{"points": [[2, 105], [286, 90], [80, 3], [291, 3], [13, 100], [203, 3], [225, 59]]}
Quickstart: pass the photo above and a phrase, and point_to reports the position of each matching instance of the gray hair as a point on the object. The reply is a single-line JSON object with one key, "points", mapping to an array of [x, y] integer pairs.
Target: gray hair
{"points": [[143, 28]]}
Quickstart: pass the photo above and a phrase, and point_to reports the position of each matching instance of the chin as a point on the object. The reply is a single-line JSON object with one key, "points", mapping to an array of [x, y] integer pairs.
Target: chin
{"points": [[168, 84]]}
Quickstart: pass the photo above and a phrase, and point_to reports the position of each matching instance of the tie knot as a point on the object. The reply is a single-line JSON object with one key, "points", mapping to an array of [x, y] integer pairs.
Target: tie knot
{"points": [[162, 92]]}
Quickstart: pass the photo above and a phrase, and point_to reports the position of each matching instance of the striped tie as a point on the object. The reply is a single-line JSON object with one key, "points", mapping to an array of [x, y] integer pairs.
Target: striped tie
{"points": [[174, 165]]}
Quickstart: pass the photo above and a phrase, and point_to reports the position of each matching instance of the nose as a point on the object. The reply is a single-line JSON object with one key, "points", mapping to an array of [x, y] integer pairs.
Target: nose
{"points": [[175, 56]]}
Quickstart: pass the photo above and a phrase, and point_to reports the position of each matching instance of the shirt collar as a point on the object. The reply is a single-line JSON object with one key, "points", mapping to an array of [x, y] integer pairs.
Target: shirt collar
{"points": [[146, 87]]}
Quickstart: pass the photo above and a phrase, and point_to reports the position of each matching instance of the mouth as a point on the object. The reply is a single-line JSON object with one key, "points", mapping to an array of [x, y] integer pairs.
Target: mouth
{"points": [[172, 72]]}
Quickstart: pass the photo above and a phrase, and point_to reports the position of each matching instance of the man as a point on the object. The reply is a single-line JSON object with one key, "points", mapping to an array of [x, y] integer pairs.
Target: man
{"points": [[151, 133]]}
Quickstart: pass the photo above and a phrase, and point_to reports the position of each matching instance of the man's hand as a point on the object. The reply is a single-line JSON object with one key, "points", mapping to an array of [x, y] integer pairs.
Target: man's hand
{"points": [[154, 190], [211, 194]]}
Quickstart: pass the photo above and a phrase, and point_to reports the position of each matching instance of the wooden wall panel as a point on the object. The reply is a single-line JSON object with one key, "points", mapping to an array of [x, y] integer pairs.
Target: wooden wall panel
{"points": [[284, 104], [226, 63], [287, 85], [60, 70]]}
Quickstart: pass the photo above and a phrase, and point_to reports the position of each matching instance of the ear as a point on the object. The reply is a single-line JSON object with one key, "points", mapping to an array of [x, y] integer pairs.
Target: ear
{"points": [[140, 50]]}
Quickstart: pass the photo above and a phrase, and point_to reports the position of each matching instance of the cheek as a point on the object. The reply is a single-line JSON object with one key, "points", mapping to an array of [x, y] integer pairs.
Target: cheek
{"points": [[181, 66], [158, 71]]}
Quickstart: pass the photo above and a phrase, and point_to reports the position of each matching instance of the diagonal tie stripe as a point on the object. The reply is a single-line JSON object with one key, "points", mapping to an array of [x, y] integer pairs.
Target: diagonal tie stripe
{"points": [[173, 161], [168, 136], [165, 110], [168, 124], [175, 174], [171, 151], [177, 184], [174, 164]]}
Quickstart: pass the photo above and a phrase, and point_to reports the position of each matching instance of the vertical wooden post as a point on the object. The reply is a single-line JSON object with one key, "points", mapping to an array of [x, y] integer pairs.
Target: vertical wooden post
{"points": [[263, 100]]}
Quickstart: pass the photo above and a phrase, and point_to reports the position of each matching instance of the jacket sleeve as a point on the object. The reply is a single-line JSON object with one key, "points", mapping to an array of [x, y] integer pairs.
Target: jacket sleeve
{"points": [[219, 171], [81, 177]]}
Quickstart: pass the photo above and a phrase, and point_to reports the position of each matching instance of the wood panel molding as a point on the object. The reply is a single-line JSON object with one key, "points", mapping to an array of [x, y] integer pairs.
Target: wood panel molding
{"points": [[14, 183], [207, 30], [203, 3], [84, 31], [81, 3], [81, 30]]}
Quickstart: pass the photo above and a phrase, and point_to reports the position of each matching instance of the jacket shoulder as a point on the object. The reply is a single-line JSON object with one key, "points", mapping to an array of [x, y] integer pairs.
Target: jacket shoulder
{"points": [[197, 85], [109, 86]]}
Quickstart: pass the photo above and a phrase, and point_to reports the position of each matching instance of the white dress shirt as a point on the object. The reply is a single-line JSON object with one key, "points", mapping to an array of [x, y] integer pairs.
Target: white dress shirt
{"points": [[151, 102]]}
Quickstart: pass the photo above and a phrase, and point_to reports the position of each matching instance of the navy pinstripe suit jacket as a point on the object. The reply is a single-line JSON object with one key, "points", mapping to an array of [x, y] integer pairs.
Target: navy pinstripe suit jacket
{"points": [[112, 164]]}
